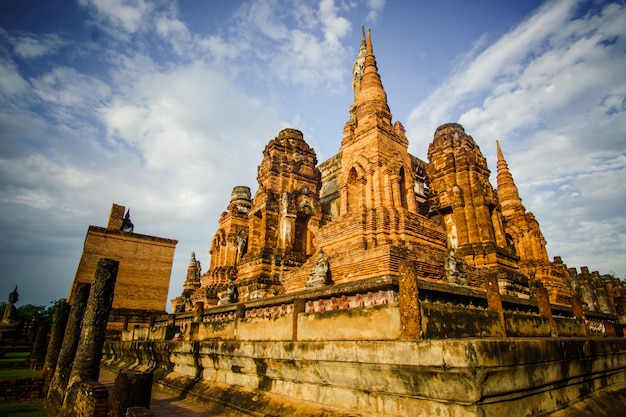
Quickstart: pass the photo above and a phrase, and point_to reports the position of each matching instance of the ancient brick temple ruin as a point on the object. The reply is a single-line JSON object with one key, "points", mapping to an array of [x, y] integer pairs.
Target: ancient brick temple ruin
{"points": [[379, 284], [146, 266], [373, 205]]}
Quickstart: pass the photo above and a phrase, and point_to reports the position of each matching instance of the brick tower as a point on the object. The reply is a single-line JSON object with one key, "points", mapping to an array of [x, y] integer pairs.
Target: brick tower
{"points": [[284, 216], [369, 194], [468, 205], [524, 237]]}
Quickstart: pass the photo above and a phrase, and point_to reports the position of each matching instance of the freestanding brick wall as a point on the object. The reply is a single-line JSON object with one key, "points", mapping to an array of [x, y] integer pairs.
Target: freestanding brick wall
{"points": [[144, 274]]}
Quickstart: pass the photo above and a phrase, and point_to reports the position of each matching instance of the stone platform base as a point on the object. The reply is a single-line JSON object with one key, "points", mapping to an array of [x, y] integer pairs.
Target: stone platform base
{"points": [[460, 377], [608, 402]]}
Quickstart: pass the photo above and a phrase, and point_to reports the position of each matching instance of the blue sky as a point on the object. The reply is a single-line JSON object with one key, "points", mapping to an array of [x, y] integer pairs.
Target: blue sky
{"points": [[164, 106]]}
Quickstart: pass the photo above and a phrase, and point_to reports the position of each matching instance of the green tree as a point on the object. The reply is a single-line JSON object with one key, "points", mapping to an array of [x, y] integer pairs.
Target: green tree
{"points": [[41, 313]]}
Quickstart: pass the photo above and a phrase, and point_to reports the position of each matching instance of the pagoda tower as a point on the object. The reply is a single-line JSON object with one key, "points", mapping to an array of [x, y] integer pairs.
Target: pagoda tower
{"points": [[284, 216], [192, 284], [462, 196], [523, 236], [373, 219], [228, 246]]}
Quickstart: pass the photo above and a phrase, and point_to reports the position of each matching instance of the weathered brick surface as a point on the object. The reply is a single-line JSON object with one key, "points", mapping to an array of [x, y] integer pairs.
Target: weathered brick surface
{"points": [[373, 206], [92, 401], [145, 266], [21, 389]]}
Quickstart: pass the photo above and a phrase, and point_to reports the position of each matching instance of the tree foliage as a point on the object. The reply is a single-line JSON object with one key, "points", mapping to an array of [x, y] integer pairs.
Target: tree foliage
{"points": [[27, 312]]}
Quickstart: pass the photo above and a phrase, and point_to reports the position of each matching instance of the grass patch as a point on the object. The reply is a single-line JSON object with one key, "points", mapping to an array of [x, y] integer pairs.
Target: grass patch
{"points": [[15, 357], [32, 408], [20, 373]]}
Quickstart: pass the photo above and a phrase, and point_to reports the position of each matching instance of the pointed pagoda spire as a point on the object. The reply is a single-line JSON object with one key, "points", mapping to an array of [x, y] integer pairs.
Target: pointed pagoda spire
{"points": [[508, 194], [359, 64], [192, 280], [363, 46], [371, 88], [370, 48]]}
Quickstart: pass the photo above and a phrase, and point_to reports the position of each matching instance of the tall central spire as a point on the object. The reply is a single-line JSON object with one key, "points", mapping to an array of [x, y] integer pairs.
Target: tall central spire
{"points": [[359, 65], [370, 92]]}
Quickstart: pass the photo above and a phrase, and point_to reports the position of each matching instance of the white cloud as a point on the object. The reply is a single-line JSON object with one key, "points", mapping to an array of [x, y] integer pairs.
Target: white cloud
{"points": [[64, 86], [265, 16], [376, 8], [334, 26], [501, 60], [32, 47], [119, 15], [11, 81], [552, 91]]}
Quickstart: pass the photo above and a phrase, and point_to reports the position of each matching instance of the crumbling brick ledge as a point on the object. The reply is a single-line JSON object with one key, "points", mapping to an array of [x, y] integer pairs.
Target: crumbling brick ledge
{"points": [[17, 389]]}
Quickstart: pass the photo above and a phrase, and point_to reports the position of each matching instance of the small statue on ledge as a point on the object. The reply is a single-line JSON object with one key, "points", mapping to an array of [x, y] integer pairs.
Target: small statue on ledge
{"points": [[454, 274], [319, 277]]}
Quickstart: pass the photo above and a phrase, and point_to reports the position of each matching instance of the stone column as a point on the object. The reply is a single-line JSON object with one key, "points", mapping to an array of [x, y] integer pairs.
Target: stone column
{"points": [[58, 382], [377, 185], [38, 353], [494, 301], [395, 190], [71, 336], [543, 303], [59, 323], [86, 366], [298, 307], [198, 312], [370, 202], [130, 389], [410, 319]]}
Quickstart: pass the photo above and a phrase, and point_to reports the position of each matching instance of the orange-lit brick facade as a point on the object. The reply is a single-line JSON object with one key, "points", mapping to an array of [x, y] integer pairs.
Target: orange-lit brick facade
{"points": [[372, 206], [144, 272]]}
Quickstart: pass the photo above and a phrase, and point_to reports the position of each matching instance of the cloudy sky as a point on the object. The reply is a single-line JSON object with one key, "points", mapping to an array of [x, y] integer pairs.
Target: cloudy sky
{"points": [[164, 106]]}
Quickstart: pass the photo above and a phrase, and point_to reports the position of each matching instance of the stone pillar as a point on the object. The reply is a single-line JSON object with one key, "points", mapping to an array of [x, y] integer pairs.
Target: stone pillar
{"points": [[298, 307], [131, 389], [620, 309], [543, 302], [376, 184], [494, 301], [368, 185], [240, 312], [71, 336], [395, 189], [38, 353], [577, 306], [86, 366], [59, 323], [198, 312], [58, 383], [410, 319]]}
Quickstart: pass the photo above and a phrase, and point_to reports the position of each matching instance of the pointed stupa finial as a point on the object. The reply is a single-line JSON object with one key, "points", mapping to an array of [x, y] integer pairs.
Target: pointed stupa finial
{"points": [[508, 194], [363, 44], [371, 88], [192, 260], [500, 155]]}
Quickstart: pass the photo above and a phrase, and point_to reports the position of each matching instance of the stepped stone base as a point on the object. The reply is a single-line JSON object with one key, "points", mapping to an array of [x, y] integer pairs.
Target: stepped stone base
{"points": [[460, 377]]}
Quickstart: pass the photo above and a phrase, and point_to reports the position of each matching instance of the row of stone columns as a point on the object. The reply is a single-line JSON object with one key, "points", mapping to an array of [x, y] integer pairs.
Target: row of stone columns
{"points": [[72, 364]]}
